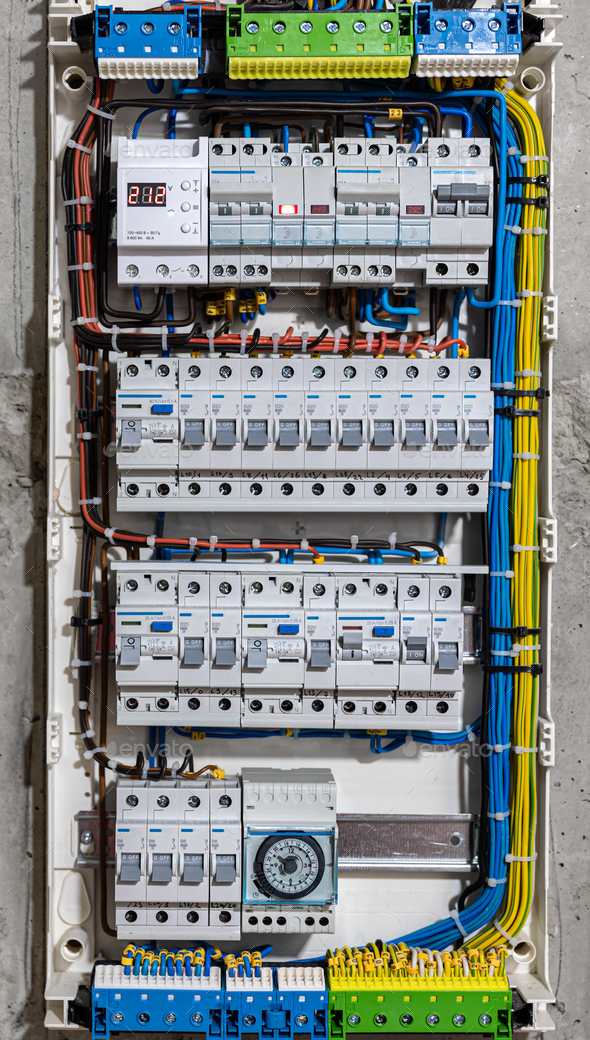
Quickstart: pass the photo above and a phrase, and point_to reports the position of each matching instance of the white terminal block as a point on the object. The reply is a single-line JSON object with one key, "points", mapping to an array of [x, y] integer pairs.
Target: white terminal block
{"points": [[304, 429], [289, 840], [162, 211], [261, 649]]}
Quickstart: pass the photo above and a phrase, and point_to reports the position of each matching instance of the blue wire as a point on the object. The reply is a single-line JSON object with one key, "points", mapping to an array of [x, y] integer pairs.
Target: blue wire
{"points": [[247, 130], [171, 132], [460, 296], [155, 85], [448, 110], [286, 138], [170, 316], [137, 297], [140, 120], [395, 310]]}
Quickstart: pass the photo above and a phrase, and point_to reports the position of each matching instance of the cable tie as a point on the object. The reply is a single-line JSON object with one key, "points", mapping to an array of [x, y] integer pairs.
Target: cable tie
{"points": [[501, 574], [150, 541], [192, 543], [109, 533], [533, 158], [82, 705], [88, 502], [527, 373], [95, 751], [144, 772], [509, 303], [76, 663], [392, 540], [210, 333], [525, 293], [502, 386], [304, 545], [509, 85], [519, 647], [370, 336], [514, 228], [115, 330], [354, 540], [84, 321], [84, 200], [99, 112], [87, 266], [164, 331], [112, 764], [470, 733], [498, 748], [173, 772], [512, 939], [526, 455], [514, 151], [213, 540], [492, 882], [402, 343], [336, 347], [539, 231], [304, 339], [504, 484], [455, 916], [509, 858], [243, 338], [86, 368], [88, 733], [256, 543], [79, 593], [524, 548], [524, 750], [166, 6], [80, 147], [505, 653], [275, 342], [499, 815], [86, 436]]}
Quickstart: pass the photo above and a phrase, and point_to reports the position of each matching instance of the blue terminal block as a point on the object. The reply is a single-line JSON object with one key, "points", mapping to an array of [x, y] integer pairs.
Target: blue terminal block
{"points": [[467, 43], [148, 44], [281, 1003], [156, 1004]]}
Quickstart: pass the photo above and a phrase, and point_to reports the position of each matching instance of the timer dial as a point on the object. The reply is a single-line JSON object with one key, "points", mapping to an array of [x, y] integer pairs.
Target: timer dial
{"points": [[289, 866]]}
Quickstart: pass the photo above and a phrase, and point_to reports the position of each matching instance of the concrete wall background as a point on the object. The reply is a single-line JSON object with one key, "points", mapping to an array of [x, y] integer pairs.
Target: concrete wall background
{"points": [[23, 506]]}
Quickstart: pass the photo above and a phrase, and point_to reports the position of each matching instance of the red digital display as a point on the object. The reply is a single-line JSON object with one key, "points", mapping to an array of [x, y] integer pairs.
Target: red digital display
{"points": [[146, 194], [319, 209], [415, 209]]}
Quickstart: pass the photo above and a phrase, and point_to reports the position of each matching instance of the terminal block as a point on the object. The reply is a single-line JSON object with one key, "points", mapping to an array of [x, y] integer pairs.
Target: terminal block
{"points": [[257, 649], [303, 431], [151, 1003], [178, 860], [319, 44], [147, 44], [461, 42], [289, 821]]}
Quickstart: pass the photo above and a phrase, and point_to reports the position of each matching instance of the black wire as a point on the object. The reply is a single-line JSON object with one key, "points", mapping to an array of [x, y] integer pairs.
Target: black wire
{"points": [[316, 342]]}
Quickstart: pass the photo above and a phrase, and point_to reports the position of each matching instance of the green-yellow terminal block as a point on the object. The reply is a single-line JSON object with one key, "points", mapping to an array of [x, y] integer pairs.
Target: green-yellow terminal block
{"points": [[319, 45], [422, 1005]]}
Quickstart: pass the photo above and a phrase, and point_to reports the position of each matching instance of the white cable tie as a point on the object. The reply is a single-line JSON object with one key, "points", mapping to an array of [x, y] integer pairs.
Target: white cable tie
{"points": [[304, 339], [509, 85], [115, 330], [192, 543], [164, 331], [256, 543], [392, 540], [87, 266], [455, 916], [539, 231], [86, 368], [82, 705], [519, 647], [304, 545], [173, 772], [504, 484], [470, 733], [525, 293], [499, 815], [498, 748], [509, 303], [509, 858], [80, 147], [492, 881], [336, 347], [505, 653], [275, 342], [524, 750], [210, 333], [86, 436], [354, 540], [89, 502], [95, 751], [76, 663], [501, 574], [370, 336], [109, 533], [524, 548], [150, 541], [513, 151], [99, 112], [87, 733], [84, 200], [502, 386], [526, 455], [533, 158], [112, 764], [166, 6], [144, 772], [526, 373], [243, 338], [213, 540], [514, 228], [507, 935], [80, 594], [84, 321], [402, 343]]}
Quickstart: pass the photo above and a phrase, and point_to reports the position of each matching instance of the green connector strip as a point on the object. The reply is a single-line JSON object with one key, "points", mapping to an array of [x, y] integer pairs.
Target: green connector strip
{"points": [[319, 45], [409, 1008]]}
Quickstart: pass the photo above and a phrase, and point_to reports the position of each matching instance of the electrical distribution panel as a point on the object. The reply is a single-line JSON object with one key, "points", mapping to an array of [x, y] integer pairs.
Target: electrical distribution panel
{"points": [[300, 519]]}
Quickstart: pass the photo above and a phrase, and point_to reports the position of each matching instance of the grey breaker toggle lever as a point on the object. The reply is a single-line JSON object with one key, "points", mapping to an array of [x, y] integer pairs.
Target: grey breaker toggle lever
{"points": [[194, 651], [320, 435], [352, 646], [384, 436], [131, 651], [194, 433], [257, 653], [225, 871], [448, 657], [193, 869], [320, 653], [479, 434], [288, 433], [225, 433], [416, 647], [131, 433], [162, 868], [225, 652], [130, 867], [446, 433], [257, 433], [416, 433], [352, 434]]}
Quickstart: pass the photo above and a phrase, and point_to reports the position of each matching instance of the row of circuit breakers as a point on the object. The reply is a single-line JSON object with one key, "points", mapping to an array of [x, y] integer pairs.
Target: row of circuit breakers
{"points": [[304, 429], [217, 854], [407, 38], [361, 212], [315, 650]]}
